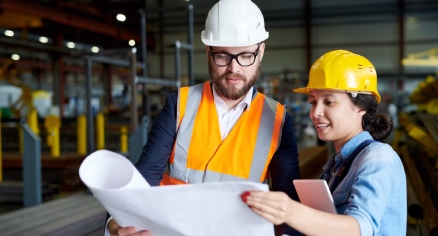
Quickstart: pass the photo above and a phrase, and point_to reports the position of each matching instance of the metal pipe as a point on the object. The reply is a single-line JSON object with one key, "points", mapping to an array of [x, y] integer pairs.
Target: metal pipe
{"points": [[177, 61], [191, 49], [132, 75], [157, 81], [112, 61], [114, 51], [401, 34], [146, 107], [31, 166], [88, 109], [308, 25], [187, 46]]}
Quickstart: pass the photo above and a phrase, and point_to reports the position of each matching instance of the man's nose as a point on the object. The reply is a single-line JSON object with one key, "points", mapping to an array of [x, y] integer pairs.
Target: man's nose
{"points": [[234, 66]]}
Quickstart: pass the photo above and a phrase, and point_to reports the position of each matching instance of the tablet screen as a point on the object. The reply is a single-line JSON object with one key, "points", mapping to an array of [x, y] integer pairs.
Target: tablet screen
{"points": [[315, 193]]}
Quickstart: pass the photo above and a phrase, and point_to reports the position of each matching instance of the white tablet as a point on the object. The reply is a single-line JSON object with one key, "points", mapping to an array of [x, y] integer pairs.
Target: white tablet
{"points": [[315, 193]]}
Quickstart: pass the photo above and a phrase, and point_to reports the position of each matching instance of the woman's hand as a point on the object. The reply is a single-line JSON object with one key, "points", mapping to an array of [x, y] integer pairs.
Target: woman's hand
{"points": [[275, 207], [115, 229]]}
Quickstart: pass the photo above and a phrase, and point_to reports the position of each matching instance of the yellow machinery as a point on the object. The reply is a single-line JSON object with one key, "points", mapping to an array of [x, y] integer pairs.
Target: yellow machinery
{"points": [[82, 135], [428, 58], [53, 123], [9, 74], [416, 141], [24, 106], [123, 139], [100, 131]]}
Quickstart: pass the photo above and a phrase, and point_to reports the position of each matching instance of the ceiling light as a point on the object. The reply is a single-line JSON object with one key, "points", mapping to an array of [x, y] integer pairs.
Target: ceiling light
{"points": [[71, 45], [43, 39], [131, 42], [95, 49], [9, 33], [121, 17], [15, 57]]}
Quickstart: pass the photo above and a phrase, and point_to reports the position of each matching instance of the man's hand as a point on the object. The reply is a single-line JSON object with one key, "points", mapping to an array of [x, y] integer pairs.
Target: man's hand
{"points": [[115, 229]]}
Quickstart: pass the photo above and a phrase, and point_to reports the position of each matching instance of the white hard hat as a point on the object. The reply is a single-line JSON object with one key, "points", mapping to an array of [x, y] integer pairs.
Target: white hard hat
{"points": [[234, 23]]}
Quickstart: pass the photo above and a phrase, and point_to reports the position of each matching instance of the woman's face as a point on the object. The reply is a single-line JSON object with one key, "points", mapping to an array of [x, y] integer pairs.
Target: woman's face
{"points": [[335, 117]]}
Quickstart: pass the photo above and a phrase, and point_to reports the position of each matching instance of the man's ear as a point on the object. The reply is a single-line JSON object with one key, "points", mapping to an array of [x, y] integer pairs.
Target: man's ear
{"points": [[261, 51], [207, 50]]}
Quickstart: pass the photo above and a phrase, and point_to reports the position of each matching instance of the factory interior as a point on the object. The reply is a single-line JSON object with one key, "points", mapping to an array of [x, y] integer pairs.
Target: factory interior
{"points": [[78, 76]]}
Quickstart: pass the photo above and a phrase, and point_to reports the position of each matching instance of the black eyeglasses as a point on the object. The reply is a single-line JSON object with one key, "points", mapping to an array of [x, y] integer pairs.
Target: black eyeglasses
{"points": [[244, 58]]}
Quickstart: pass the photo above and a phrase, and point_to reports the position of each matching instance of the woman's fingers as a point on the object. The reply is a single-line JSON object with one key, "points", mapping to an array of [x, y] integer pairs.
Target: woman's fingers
{"points": [[270, 205]]}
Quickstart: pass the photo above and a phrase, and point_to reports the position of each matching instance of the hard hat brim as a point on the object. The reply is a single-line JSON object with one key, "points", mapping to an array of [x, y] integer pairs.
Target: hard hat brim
{"points": [[218, 43], [307, 90]]}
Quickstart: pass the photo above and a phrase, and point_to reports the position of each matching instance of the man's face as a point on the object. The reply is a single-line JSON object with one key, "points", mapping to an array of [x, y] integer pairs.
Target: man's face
{"points": [[233, 82]]}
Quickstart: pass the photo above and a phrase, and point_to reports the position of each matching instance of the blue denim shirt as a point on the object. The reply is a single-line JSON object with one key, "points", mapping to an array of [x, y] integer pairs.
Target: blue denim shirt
{"points": [[374, 190]]}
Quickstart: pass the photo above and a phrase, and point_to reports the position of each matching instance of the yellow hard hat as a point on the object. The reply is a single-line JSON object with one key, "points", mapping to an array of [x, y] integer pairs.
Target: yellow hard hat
{"points": [[344, 71]]}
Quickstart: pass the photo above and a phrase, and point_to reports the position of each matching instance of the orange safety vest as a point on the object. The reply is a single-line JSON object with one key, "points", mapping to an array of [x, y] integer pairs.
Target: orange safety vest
{"points": [[200, 155]]}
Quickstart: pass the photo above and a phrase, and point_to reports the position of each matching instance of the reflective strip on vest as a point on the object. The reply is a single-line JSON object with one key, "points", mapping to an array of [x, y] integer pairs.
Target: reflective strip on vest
{"points": [[200, 155]]}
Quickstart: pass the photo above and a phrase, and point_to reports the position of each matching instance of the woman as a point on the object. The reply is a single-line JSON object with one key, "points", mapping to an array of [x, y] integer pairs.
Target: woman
{"points": [[369, 189]]}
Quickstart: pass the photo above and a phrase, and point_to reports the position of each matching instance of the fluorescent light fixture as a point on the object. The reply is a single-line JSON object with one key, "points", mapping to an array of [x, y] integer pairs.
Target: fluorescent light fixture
{"points": [[121, 17], [15, 57], [9, 33], [71, 45], [411, 19], [95, 49], [43, 39], [131, 42]]}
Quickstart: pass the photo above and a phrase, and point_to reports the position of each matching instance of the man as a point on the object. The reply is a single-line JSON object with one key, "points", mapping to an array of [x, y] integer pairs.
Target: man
{"points": [[223, 130]]}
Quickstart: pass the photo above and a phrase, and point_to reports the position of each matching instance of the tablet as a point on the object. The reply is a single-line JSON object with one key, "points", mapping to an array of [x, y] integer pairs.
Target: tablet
{"points": [[315, 193]]}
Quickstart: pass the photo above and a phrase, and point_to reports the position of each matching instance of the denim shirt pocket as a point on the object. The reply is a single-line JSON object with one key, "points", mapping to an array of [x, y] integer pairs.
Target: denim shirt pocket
{"points": [[340, 198]]}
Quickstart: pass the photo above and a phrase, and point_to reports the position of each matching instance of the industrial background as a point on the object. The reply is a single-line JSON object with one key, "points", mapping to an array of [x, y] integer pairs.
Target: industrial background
{"points": [[79, 76]]}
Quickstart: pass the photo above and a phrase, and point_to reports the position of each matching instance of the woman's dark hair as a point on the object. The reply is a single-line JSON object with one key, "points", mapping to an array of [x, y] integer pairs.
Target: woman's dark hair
{"points": [[379, 125]]}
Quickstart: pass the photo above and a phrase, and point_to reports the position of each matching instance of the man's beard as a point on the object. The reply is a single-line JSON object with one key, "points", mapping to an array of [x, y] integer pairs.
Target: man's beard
{"points": [[228, 91]]}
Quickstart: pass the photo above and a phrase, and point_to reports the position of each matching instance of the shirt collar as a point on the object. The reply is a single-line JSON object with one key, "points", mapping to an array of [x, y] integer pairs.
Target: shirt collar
{"points": [[353, 143], [245, 101]]}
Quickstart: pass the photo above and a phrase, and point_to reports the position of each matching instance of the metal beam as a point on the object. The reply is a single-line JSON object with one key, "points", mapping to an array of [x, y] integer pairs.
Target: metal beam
{"points": [[88, 110], [157, 81], [52, 14], [38, 46]]}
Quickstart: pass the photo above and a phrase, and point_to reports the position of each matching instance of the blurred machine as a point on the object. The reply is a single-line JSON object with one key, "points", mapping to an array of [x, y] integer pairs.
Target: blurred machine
{"points": [[426, 58], [18, 96], [416, 141]]}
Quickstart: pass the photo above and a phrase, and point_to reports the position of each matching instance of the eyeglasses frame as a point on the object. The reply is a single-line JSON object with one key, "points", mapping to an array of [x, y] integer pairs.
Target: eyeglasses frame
{"points": [[235, 56]]}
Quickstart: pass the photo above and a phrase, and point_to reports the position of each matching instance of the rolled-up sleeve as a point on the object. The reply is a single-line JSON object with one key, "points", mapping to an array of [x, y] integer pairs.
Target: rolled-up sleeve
{"points": [[378, 182]]}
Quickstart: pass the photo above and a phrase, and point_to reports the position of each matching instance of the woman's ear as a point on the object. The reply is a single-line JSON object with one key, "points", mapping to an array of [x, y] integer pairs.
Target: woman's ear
{"points": [[361, 113]]}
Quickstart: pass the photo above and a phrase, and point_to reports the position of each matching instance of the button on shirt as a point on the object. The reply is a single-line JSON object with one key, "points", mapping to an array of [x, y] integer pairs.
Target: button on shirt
{"points": [[374, 190], [228, 118]]}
